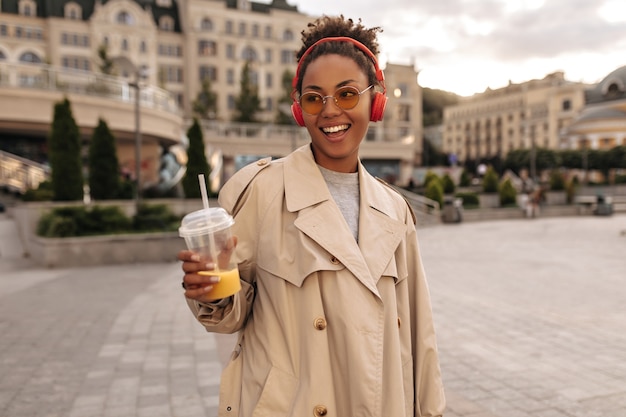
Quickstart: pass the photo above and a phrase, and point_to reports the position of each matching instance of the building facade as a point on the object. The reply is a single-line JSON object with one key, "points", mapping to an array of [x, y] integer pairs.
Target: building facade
{"points": [[602, 123], [518, 116]]}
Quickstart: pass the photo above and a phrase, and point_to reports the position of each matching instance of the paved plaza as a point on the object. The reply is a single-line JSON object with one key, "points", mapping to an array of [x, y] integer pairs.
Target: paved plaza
{"points": [[530, 317]]}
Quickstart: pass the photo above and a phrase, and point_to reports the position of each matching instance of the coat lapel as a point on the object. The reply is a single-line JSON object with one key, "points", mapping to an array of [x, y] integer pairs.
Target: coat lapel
{"points": [[306, 193]]}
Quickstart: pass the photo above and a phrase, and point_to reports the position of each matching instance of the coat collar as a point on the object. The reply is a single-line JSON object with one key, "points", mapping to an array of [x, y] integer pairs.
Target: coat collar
{"points": [[379, 231]]}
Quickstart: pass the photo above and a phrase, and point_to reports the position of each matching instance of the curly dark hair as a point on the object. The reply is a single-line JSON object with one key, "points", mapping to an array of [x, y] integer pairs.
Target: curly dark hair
{"points": [[327, 27]]}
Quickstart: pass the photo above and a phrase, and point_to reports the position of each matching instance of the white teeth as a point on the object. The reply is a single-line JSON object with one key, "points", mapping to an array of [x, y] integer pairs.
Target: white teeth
{"points": [[334, 129]]}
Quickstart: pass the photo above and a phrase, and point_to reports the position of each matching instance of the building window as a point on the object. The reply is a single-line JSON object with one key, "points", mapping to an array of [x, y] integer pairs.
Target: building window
{"points": [[287, 57], [124, 44], [269, 104], [231, 102], [230, 51], [242, 29], [567, 105], [268, 32], [255, 30], [76, 62], [207, 48], [30, 58], [166, 24], [172, 74], [4, 30], [27, 8], [230, 76], [73, 11], [269, 80], [249, 54], [229, 27], [209, 72], [125, 18], [143, 48], [206, 24], [404, 113], [288, 35], [268, 55]]}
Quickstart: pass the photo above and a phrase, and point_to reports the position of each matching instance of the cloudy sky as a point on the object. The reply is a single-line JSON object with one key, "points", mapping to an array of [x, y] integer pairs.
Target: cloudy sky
{"points": [[467, 46]]}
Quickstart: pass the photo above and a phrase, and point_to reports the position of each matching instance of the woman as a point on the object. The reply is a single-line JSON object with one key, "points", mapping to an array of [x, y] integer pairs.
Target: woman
{"points": [[334, 313]]}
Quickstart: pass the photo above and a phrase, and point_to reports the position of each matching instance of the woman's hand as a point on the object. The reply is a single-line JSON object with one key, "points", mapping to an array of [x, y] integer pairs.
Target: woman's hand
{"points": [[196, 286]]}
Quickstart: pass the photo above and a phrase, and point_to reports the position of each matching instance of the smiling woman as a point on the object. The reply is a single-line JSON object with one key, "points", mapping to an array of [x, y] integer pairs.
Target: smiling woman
{"points": [[334, 314]]}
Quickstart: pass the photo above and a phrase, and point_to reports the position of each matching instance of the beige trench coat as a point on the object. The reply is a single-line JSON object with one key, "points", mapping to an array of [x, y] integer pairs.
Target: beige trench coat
{"points": [[329, 327]]}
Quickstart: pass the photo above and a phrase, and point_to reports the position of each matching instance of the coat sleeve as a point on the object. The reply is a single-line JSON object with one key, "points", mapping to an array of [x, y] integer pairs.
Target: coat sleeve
{"points": [[429, 393], [238, 198]]}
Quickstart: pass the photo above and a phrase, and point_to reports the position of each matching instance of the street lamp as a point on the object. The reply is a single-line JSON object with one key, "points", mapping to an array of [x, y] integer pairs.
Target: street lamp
{"points": [[139, 75]]}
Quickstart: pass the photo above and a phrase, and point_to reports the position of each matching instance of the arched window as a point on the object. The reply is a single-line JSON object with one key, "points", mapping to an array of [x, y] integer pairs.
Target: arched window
{"points": [[288, 35], [206, 24], [73, 11], [30, 58], [124, 18], [166, 24], [249, 54], [27, 8]]}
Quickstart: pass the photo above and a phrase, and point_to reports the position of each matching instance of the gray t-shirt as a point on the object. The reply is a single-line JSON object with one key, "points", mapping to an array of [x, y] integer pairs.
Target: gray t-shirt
{"points": [[344, 188]]}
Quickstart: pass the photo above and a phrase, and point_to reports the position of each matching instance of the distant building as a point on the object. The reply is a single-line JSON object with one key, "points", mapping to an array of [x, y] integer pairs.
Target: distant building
{"points": [[602, 123], [518, 116]]}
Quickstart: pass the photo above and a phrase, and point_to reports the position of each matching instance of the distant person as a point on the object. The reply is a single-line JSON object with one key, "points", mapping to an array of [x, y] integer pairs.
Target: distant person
{"points": [[334, 316]]}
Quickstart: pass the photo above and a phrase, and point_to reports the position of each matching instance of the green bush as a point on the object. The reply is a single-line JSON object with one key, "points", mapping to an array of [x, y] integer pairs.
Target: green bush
{"points": [[508, 194], [465, 180], [430, 176], [155, 218], [43, 192], [470, 200], [448, 184], [434, 191], [80, 221], [557, 180], [491, 181]]}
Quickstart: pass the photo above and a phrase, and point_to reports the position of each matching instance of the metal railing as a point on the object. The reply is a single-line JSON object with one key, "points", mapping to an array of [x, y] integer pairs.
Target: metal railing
{"points": [[47, 77], [18, 174]]}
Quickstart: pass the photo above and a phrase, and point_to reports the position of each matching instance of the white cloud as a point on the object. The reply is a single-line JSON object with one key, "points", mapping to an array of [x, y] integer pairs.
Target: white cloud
{"points": [[465, 46]]}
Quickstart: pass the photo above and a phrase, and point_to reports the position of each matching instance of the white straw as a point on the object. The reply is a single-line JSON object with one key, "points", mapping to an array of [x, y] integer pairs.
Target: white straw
{"points": [[205, 197]]}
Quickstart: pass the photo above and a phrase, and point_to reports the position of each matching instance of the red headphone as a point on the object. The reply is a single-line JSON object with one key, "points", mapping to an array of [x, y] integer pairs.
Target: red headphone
{"points": [[378, 102]]}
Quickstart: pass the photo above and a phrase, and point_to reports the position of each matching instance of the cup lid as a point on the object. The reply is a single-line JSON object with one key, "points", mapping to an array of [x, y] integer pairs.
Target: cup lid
{"points": [[204, 221]]}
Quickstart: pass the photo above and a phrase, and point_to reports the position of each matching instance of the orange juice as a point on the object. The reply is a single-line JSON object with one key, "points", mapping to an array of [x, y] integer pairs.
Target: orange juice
{"points": [[229, 283]]}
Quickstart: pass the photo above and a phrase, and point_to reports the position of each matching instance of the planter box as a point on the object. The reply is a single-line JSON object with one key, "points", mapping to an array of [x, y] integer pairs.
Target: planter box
{"points": [[106, 250], [556, 198], [489, 200]]}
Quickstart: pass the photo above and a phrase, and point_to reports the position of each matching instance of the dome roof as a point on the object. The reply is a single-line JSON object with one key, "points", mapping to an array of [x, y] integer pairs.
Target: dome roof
{"points": [[612, 87]]}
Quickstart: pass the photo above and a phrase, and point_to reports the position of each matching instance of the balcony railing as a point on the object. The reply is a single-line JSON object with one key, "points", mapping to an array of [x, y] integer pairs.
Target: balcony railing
{"points": [[46, 77]]}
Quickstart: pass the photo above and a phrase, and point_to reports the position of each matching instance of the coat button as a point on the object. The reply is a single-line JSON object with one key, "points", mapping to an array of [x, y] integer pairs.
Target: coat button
{"points": [[319, 411], [261, 162], [320, 323], [334, 261]]}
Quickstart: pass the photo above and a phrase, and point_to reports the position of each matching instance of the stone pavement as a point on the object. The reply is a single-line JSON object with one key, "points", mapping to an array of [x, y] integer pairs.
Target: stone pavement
{"points": [[529, 314]]}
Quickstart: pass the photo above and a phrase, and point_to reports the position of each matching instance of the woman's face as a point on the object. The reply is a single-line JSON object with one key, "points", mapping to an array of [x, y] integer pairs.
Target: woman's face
{"points": [[336, 134]]}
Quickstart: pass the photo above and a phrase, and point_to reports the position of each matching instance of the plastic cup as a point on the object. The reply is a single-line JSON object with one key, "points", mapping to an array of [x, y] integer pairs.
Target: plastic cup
{"points": [[207, 232]]}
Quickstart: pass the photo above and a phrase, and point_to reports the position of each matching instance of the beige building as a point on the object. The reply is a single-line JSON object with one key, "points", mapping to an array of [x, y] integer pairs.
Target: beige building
{"points": [[602, 123], [518, 116], [175, 44]]}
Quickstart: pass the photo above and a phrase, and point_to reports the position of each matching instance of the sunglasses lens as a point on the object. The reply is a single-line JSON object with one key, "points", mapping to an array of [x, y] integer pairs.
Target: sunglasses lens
{"points": [[347, 97], [311, 103]]}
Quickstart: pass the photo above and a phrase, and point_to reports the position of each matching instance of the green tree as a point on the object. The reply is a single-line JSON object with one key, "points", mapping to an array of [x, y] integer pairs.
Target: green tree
{"points": [[248, 103], [448, 184], [434, 191], [491, 181], [64, 152], [283, 114], [104, 180], [196, 162], [106, 63], [508, 194], [205, 104]]}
